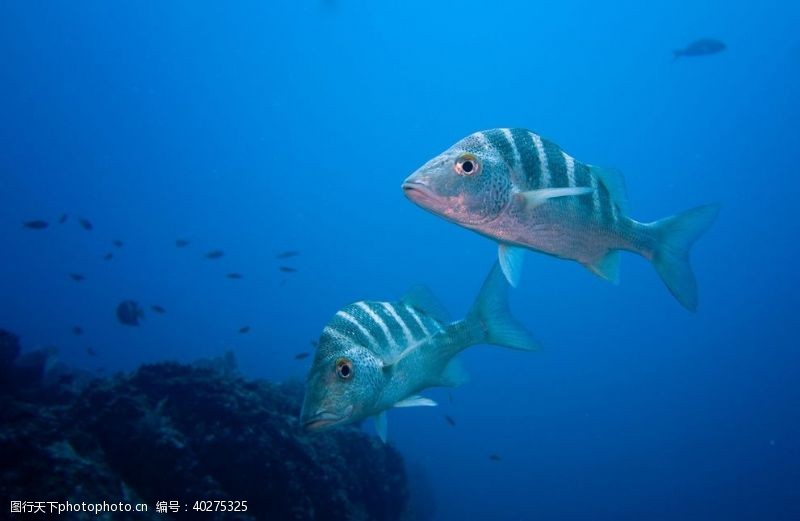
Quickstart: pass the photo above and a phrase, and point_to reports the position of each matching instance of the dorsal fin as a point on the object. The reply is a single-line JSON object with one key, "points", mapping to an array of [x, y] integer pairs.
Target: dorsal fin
{"points": [[421, 298], [614, 183]]}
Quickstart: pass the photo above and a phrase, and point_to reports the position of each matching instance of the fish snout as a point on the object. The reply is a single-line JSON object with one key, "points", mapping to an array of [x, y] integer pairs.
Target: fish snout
{"points": [[418, 189], [323, 418]]}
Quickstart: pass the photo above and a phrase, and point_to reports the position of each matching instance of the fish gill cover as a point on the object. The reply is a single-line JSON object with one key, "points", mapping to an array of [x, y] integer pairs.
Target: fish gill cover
{"points": [[232, 173]]}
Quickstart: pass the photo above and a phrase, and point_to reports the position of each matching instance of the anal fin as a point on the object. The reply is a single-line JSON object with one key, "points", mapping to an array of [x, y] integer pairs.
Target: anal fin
{"points": [[607, 266]]}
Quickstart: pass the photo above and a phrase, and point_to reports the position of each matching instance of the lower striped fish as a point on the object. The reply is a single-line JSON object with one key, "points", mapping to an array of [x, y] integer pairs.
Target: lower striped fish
{"points": [[523, 191], [376, 355]]}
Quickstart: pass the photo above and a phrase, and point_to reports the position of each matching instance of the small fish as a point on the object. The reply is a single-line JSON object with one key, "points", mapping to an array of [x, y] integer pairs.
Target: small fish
{"points": [[108, 256], [118, 243], [244, 329], [215, 254], [450, 420], [77, 277], [90, 351], [301, 356], [235, 276], [62, 219], [129, 313], [181, 243], [314, 343], [701, 47], [36, 224], [158, 309], [287, 269], [373, 356], [85, 224], [523, 191], [287, 254], [77, 330], [495, 457]]}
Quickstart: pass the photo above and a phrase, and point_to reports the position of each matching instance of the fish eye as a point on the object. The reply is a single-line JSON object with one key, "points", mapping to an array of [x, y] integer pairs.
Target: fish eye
{"points": [[467, 165], [344, 368]]}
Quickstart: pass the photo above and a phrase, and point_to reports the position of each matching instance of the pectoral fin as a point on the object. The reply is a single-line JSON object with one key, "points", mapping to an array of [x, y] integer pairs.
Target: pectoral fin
{"points": [[534, 198], [381, 426], [415, 400]]}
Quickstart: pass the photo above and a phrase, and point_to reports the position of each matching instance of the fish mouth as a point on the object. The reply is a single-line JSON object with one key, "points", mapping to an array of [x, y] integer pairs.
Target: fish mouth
{"points": [[418, 192], [323, 420]]}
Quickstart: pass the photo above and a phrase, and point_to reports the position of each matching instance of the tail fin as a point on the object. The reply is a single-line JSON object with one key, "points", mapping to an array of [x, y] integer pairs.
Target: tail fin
{"points": [[674, 237], [677, 54], [491, 310]]}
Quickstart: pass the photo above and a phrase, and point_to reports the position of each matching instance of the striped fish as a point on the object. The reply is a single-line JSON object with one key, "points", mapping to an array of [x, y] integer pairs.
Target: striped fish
{"points": [[373, 356], [524, 192]]}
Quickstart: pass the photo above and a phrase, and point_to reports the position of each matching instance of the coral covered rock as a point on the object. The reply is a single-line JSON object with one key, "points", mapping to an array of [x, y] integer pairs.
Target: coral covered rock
{"points": [[171, 432]]}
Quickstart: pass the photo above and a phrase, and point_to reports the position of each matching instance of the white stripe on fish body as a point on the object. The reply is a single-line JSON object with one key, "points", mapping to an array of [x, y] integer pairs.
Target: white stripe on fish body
{"points": [[614, 211], [595, 196], [409, 338], [421, 322], [379, 322], [510, 138], [482, 141], [570, 162], [364, 331], [336, 335], [545, 170]]}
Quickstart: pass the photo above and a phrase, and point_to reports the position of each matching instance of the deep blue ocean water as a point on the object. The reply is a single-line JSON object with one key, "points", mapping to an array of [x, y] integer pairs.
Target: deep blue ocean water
{"points": [[260, 127]]}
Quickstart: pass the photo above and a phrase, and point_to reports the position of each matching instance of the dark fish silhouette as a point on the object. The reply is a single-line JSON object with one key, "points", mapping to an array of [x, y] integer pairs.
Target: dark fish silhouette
{"points": [[62, 219], [701, 47], [77, 277], [495, 457], [235, 276], [181, 243], [129, 313], [85, 224], [287, 269], [450, 420], [314, 343], [90, 351], [108, 256], [117, 243], [244, 329], [77, 330], [215, 254], [287, 254], [300, 356], [158, 309], [36, 224]]}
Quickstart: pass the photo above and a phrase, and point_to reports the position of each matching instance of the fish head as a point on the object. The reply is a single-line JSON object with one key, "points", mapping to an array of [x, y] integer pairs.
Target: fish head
{"points": [[469, 183], [344, 385]]}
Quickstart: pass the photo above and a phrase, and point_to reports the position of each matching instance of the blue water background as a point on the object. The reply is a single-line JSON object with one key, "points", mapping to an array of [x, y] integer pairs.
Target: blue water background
{"points": [[258, 127]]}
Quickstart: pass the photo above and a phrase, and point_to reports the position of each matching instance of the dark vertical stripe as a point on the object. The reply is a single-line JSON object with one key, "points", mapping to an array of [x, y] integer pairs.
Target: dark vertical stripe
{"points": [[391, 323], [605, 216], [405, 315], [497, 138], [365, 320], [582, 179], [556, 164], [530, 159]]}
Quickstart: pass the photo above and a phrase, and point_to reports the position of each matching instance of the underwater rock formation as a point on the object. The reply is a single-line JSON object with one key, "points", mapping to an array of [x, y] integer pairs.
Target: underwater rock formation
{"points": [[171, 432]]}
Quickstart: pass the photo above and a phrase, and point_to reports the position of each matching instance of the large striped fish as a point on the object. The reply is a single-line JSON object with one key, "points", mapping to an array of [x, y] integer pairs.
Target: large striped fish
{"points": [[525, 192], [376, 355]]}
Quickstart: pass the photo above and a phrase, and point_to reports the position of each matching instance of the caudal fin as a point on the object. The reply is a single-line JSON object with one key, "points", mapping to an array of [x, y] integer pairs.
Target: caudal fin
{"points": [[491, 310], [674, 237]]}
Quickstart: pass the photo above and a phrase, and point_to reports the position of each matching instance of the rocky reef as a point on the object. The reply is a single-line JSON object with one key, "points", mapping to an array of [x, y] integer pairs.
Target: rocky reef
{"points": [[187, 433]]}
